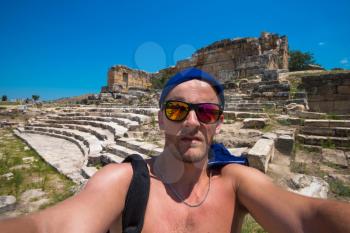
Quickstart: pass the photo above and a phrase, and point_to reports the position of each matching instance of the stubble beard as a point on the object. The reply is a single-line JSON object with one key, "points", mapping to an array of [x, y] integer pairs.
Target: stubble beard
{"points": [[180, 152]]}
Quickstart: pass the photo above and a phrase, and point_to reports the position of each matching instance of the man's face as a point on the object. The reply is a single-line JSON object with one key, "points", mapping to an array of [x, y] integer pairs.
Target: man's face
{"points": [[189, 140]]}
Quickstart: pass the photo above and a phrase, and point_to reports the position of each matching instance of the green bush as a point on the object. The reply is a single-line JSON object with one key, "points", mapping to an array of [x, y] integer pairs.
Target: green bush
{"points": [[300, 60]]}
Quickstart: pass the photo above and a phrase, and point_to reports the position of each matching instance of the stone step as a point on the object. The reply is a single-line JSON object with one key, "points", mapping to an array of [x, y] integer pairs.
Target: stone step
{"points": [[89, 140], [83, 148], [142, 147], [97, 132], [255, 123], [296, 101], [107, 158], [144, 111], [251, 105], [338, 142], [284, 87], [132, 125], [232, 115], [245, 109], [327, 123], [61, 154], [113, 127], [253, 101], [141, 119], [7, 203], [147, 111], [326, 131], [88, 172], [122, 151]]}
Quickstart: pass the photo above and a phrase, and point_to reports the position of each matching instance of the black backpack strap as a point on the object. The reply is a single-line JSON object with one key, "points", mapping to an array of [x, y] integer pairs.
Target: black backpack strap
{"points": [[137, 196]]}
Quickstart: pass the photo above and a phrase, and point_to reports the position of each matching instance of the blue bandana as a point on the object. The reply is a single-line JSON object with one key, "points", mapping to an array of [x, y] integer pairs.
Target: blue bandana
{"points": [[220, 156], [190, 74]]}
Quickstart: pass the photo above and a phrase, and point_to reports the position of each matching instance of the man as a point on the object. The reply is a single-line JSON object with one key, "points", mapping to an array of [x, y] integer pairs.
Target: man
{"points": [[185, 196]]}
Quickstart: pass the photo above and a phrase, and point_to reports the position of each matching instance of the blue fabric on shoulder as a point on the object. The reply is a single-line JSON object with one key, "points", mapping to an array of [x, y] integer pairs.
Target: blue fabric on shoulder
{"points": [[220, 156]]}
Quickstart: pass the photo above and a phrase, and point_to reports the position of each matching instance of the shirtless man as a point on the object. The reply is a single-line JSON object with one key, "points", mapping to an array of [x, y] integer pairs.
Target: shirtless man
{"points": [[184, 195]]}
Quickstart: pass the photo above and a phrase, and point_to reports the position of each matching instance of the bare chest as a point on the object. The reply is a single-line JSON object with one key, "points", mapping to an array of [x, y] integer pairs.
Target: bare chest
{"points": [[165, 213]]}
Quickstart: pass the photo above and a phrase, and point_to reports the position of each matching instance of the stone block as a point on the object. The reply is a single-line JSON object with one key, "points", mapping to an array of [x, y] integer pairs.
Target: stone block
{"points": [[88, 172], [321, 106], [285, 144], [310, 186], [311, 115], [287, 120], [261, 153], [343, 90], [7, 203], [28, 160], [8, 176], [254, 123], [270, 135], [238, 151], [321, 131], [316, 123], [339, 123], [229, 115], [336, 157], [347, 155], [342, 107]]}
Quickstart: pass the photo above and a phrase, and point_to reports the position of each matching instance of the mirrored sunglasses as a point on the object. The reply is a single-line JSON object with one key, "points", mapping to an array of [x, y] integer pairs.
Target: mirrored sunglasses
{"points": [[207, 113]]}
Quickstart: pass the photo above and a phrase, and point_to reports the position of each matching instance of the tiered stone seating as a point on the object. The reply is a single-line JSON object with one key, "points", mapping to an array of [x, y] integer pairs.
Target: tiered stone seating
{"points": [[92, 143], [326, 133], [143, 147], [98, 133], [113, 127]]}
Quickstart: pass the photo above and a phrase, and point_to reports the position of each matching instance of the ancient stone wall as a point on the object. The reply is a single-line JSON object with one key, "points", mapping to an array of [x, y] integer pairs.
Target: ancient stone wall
{"points": [[227, 60], [122, 78], [232, 59], [328, 93]]}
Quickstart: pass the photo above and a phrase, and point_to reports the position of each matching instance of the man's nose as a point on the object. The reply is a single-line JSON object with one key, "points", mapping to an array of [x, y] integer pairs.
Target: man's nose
{"points": [[191, 119]]}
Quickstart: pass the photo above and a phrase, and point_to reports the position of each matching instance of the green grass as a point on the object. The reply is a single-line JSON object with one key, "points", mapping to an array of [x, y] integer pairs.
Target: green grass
{"points": [[297, 167], [328, 144], [332, 116], [251, 226], [339, 188], [9, 103], [35, 175]]}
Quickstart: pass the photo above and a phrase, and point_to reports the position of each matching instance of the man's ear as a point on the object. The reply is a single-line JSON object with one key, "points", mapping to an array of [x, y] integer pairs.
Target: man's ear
{"points": [[219, 123], [160, 120]]}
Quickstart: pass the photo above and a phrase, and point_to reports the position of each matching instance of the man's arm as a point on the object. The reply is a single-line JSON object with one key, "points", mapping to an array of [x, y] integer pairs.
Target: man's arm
{"points": [[278, 210], [92, 210]]}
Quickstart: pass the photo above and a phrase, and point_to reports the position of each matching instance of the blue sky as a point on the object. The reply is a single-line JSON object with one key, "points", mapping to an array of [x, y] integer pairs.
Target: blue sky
{"points": [[64, 48]]}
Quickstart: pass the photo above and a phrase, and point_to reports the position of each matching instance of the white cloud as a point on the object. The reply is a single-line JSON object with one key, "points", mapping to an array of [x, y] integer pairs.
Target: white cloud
{"points": [[344, 61], [321, 43]]}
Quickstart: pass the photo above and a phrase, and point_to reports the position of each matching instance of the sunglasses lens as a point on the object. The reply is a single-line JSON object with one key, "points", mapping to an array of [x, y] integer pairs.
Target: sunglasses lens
{"points": [[176, 111], [208, 113]]}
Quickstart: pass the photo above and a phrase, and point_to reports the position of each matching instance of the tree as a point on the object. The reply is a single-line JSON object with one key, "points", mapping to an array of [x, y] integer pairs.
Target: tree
{"points": [[4, 98], [299, 60], [35, 97]]}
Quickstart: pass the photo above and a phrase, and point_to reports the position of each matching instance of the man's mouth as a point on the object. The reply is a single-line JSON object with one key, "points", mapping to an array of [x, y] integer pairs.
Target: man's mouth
{"points": [[190, 138]]}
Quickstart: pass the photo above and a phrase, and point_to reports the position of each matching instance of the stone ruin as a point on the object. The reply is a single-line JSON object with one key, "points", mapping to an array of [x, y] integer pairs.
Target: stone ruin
{"points": [[328, 93], [266, 118], [122, 78], [232, 59], [228, 60]]}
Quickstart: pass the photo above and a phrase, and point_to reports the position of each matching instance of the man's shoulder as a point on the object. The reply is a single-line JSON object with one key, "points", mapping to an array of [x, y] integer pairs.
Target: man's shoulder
{"points": [[241, 174], [111, 176], [236, 169]]}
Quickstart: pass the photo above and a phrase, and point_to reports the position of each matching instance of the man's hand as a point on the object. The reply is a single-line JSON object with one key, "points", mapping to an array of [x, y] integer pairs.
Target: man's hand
{"points": [[92, 210]]}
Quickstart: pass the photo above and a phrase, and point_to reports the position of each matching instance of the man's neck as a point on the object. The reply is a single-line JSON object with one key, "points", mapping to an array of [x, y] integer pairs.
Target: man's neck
{"points": [[184, 176]]}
